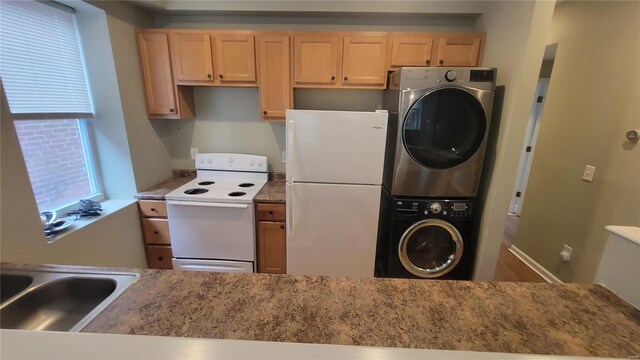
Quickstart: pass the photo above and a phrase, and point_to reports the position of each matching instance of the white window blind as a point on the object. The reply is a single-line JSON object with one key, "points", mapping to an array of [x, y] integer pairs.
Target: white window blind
{"points": [[40, 62]]}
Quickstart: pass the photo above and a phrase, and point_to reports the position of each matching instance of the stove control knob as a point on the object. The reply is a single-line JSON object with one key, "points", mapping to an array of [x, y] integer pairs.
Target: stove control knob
{"points": [[252, 162], [450, 75], [231, 160], [260, 163], [210, 161], [201, 160], [435, 208]]}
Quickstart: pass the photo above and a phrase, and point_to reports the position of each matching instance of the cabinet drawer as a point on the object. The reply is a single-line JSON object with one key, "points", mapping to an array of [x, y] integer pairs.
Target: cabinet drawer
{"points": [[159, 257], [153, 208], [271, 212], [156, 231]]}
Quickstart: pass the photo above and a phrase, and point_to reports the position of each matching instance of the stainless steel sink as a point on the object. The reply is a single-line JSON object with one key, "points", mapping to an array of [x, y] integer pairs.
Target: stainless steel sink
{"points": [[12, 285], [57, 300]]}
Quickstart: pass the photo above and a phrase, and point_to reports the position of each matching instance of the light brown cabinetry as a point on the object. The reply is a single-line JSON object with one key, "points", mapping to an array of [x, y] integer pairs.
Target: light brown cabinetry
{"points": [[411, 50], [316, 60], [271, 238], [163, 98], [364, 60], [459, 50], [191, 54], [155, 227], [235, 59], [276, 94]]}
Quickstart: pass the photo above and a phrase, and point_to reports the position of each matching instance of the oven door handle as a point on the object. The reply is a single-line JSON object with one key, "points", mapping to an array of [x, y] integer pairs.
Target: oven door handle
{"points": [[208, 204]]}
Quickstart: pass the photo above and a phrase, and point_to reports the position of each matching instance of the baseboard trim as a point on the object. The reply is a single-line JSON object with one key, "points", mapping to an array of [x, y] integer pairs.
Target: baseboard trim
{"points": [[539, 269]]}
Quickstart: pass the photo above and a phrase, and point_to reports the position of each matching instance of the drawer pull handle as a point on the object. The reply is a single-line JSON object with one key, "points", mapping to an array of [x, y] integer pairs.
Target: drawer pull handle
{"points": [[160, 258], [220, 76], [209, 76], [428, 62], [264, 112], [154, 210], [346, 78], [270, 212], [441, 61], [281, 226], [333, 78], [156, 232], [171, 110]]}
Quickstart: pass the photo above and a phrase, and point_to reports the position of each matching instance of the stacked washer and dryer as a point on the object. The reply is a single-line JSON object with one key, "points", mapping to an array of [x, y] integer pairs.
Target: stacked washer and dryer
{"points": [[437, 134]]}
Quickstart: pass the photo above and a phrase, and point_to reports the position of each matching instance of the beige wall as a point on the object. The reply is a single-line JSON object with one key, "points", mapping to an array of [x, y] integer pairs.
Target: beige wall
{"points": [[593, 99], [228, 119], [516, 38], [121, 136]]}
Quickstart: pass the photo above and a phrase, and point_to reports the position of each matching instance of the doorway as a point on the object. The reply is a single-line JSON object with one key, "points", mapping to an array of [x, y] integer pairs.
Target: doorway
{"points": [[510, 267]]}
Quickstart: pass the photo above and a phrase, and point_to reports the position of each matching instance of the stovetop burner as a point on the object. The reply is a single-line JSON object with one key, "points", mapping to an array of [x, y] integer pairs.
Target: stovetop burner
{"points": [[246, 185], [237, 193], [195, 191], [205, 183]]}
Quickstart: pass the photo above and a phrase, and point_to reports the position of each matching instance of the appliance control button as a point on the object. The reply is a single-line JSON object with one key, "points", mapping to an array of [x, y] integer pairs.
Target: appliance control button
{"points": [[210, 160], [450, 75], [201, 160], [260, 163], [426, 212], [252, 162], [444, 213], [435, 208]]}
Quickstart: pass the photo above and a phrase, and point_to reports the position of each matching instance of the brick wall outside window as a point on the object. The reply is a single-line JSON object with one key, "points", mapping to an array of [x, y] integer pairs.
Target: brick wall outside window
{"points": [[55, 160]]}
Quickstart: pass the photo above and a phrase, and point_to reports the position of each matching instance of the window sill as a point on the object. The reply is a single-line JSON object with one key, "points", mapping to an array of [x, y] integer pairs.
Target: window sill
{"points": [[109, 207]]}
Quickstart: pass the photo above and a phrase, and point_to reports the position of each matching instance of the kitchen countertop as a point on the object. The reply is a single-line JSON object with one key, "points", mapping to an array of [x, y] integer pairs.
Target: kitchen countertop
{"points": [[158, 191], [539, 318], [273, 192]]}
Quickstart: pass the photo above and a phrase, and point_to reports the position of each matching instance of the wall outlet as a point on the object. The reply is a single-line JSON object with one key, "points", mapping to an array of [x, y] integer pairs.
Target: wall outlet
{"points": [[588, 173], [194, 151], [284, 157], [565, 254]]}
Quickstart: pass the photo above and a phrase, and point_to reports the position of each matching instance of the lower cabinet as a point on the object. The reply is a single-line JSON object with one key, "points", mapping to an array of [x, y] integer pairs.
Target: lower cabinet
{"points": [[271, 238], [155, 228]]}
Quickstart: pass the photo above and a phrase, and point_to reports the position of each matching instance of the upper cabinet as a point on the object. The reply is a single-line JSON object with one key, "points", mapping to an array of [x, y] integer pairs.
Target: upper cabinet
{"points": [[459, 50], [364, 60], [163, 98], [175, 60], [191, 54], [275, 85], [335, 60], [411, 50], [234, 58], [316, 60]]}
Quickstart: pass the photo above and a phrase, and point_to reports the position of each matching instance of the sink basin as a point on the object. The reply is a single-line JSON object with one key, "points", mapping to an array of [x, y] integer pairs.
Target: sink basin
{"points": [[12, 285], [58, 300]]}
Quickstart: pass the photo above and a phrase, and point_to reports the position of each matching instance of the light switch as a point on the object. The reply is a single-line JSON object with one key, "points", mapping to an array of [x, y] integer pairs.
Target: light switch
{"points": [[588, 173]]}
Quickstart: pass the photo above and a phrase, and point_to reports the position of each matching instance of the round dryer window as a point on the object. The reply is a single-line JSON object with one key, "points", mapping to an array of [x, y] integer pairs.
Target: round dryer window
{"points": [[430, 248], [444, 128]]}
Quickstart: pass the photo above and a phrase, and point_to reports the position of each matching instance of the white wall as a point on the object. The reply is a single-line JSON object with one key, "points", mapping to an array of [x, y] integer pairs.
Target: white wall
{"points": [[516, 38]]}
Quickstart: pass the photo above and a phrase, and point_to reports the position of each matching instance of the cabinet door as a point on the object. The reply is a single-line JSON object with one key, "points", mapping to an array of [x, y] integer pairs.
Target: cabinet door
{"points": [[462, 50], [275, 84], [235, 58], [363, 60], [191, 54], [316, 59], [156, 71], [272, 248], [411, 51]]}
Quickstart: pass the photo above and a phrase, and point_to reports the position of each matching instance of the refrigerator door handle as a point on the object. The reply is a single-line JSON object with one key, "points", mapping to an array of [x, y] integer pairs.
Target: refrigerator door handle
{"points": [[289, 214], [289, 149]]}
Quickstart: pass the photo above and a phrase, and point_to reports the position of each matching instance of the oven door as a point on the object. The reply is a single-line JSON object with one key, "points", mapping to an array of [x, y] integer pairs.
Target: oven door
{"points": [[208, 230]]}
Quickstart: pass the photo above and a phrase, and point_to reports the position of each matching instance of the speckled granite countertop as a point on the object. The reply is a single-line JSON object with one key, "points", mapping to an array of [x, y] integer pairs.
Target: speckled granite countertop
{"points": [[540, 318], [158, 191], [272, 192]]}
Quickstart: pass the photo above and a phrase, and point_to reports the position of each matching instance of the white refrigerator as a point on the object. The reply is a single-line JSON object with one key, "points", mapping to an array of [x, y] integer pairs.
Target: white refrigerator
{"points": [[334, 176]]}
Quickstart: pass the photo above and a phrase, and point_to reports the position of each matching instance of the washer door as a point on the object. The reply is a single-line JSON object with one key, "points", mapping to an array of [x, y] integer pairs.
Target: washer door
{"points": [[444, 128], [430, 248]]}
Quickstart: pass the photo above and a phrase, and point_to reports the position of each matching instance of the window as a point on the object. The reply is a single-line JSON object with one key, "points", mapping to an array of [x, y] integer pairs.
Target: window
{"points": [[43, 74]]}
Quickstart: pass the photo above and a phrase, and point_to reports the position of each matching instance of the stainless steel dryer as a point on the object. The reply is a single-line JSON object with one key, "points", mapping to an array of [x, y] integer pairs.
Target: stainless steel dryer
{"points": [[438, 125]]}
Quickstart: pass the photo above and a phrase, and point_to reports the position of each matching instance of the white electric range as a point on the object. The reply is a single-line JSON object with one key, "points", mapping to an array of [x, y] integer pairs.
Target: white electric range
{"points": [[211, 218]]}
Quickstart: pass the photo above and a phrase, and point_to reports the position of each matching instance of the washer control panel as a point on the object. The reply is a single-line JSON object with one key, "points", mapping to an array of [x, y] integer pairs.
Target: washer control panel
{"points": [[434, 208]]}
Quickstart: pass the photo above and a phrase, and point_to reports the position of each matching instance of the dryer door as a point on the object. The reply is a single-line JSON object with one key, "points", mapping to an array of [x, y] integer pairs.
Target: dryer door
{"points": [[444, 128], [430, 248]]}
